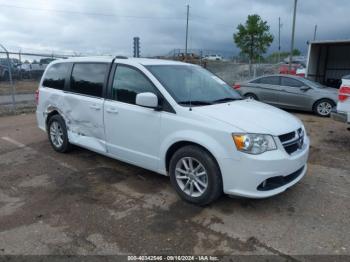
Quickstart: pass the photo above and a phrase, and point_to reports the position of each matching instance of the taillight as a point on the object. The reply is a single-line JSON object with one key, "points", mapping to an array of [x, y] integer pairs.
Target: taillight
{"points": [[237, 86], [344, 93], [37, 97]]}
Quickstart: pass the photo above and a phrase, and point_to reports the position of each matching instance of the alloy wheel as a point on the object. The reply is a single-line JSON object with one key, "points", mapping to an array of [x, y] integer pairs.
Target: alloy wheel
{"points": [[191, 176], [324, 108], [56, 134]]}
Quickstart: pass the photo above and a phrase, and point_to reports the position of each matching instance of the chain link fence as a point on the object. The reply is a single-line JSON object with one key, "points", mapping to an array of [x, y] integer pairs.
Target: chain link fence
{"points": [[230, 68], [233, 72], [21, 72]]}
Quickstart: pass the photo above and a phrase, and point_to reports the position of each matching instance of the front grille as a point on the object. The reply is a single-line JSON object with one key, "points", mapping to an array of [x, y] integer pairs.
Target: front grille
{"points": [[278, 181], [287, 137], [290, 149], [292, 141]]}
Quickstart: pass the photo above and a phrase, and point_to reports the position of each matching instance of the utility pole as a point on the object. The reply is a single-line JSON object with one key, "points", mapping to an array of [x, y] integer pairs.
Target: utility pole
{"points": [[188, 14], [293, 32], [279, 39], [136, 46], [315, 32]]}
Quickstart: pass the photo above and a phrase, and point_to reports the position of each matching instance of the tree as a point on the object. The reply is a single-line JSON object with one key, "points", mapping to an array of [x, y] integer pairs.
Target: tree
{"points": [[253, 38], [296, 52]]}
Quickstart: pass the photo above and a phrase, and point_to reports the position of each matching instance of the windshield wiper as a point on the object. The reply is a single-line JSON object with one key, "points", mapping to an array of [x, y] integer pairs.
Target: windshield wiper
{"points": [[195, 103], [226, 99]]}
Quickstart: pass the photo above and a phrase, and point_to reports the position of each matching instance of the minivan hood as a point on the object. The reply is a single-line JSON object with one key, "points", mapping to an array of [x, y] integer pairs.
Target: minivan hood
{"points": [[252, 117]]}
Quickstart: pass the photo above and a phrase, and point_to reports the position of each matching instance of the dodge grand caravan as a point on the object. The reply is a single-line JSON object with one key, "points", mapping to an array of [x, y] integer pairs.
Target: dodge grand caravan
{"points": [[175, 119]]}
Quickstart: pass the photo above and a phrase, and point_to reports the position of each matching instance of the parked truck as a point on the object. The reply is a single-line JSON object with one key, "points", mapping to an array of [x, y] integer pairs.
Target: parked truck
{"points": [[37, 68], [328, 61], [5, 70]]}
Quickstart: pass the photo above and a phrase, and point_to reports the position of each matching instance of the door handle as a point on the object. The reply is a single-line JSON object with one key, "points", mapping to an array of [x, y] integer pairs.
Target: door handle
{"points": [[95, 107], [112, 110]]}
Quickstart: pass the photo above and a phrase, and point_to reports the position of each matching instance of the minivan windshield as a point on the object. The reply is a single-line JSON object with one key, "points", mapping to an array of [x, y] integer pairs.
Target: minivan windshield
{"points": [[193, 85]]}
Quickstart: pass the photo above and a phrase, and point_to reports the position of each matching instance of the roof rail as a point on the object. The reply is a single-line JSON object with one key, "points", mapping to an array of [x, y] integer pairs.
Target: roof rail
{"points": [[121, 57]]}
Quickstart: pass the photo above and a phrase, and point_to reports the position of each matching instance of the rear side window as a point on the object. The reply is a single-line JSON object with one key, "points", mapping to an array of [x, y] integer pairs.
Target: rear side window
{"points": [[88, 78], [287, 81], [129, 82], [256, 81], [270, 80], [55, 76]]}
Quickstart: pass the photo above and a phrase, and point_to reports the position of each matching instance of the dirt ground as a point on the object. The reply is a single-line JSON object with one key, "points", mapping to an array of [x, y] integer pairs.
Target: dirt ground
{"points": [[84, 203], [22, 87]]}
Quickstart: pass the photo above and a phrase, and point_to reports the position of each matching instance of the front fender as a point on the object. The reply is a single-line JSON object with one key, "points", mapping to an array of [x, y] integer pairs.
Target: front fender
{"points": [[217, 149]]}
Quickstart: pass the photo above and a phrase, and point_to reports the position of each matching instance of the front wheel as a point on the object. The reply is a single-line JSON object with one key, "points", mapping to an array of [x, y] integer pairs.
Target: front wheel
{"points": [[195, 175], [323, 107]]}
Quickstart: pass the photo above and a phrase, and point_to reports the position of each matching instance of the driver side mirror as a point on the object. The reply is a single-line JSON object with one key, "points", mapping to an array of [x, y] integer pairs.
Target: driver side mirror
{"points": [[304, 88], [147, 99]]}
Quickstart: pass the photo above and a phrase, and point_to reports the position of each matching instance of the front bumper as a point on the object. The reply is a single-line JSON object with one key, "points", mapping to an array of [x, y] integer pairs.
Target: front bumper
{"points": [[340, 116], [246, 176]]}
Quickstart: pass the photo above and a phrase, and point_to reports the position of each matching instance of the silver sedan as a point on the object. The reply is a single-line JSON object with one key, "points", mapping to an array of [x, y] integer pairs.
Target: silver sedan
{"points": [[290, 92]]}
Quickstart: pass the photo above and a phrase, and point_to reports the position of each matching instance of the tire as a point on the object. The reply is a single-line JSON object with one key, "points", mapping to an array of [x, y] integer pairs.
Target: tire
{"points": [[323, 107], [212, 179], [59, 142], [251, 96]]}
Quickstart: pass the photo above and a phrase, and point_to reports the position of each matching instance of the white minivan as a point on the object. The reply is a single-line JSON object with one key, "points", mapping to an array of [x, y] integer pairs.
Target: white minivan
{"points": [[175, 119]]}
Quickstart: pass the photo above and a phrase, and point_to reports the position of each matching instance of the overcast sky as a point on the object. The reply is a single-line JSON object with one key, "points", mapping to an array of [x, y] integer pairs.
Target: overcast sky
{"points": [[108, 26]]}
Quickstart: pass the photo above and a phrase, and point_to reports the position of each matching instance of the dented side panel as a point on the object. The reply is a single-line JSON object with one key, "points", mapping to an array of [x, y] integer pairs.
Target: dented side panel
{"points": [[83, 116]]}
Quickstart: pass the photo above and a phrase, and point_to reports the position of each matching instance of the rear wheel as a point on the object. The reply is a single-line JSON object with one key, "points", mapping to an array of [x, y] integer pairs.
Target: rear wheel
{"points": [[324, 107], [57, 133], [251, 96], [195, 175]]}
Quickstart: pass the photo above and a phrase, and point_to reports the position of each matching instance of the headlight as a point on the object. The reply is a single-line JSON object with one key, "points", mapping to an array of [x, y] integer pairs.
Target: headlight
{"points": [[254, 143], [304, 130]]}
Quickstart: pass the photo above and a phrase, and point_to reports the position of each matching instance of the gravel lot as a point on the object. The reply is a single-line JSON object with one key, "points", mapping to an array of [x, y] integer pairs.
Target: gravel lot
{"points": [[84, 203]]}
